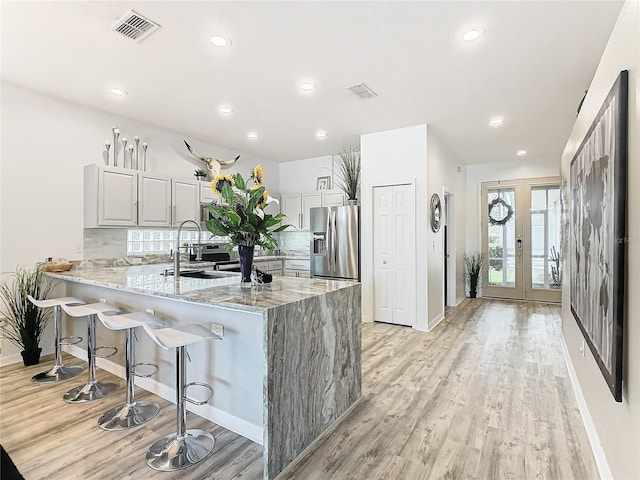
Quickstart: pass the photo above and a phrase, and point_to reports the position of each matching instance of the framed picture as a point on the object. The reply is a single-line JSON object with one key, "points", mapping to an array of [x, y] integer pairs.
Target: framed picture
{"points": [[597, 230], [323, 183]]}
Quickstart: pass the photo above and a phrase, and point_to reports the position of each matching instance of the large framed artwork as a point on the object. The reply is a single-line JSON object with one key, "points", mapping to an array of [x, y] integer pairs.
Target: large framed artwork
{"points": [[597, 239]]}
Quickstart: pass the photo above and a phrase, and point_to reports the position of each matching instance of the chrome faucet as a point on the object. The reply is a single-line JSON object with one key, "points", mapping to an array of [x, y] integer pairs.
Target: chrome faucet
{"points": [[176, 253]]}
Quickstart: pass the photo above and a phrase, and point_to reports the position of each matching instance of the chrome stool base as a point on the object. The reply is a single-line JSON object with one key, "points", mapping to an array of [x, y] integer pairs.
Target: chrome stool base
{"points": [[173, 453], [58, 373], [90, 392], [123, 417]]}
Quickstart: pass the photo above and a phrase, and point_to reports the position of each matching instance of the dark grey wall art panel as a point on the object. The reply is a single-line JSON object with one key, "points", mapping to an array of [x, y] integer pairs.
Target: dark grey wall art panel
{"points": [[597, 242]]}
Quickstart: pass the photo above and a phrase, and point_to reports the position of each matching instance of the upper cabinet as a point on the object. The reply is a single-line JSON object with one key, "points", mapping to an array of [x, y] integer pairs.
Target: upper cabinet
{"points": [[119, 197], [154, 192], [110, 197], [207, 195], [297, 206], [185, 197]]}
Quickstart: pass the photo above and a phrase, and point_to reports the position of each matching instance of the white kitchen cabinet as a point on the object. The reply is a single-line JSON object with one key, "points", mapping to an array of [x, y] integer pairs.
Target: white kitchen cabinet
{"points": [[110, 197], [185, 199], [207, 195], [120, 197], [309, 201], [333, 198], [297, 206], [154, 196], [296, 268], [292, 207], [274, 267]]}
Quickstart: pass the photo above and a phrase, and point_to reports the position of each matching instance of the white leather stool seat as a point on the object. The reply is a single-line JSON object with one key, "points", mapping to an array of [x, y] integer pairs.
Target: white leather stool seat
{"points": [[180, 335], [54, 302], [88, 309]]}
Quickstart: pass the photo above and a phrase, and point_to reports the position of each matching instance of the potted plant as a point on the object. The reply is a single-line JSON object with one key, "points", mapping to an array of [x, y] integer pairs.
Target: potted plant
{"points": [[24, 322], [200, 174], [349, 173], [472, 268], [240, 215]]}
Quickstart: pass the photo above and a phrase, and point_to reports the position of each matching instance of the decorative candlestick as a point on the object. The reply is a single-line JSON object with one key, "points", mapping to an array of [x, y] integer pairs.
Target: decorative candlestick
{"points": [[116, 135], [107, 145], [124, 152], [144, 150], [137, 140], [131, 156]]}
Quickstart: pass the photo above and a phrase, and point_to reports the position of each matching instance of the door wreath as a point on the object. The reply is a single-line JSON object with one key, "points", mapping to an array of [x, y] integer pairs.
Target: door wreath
{"points": [[500, 212]]}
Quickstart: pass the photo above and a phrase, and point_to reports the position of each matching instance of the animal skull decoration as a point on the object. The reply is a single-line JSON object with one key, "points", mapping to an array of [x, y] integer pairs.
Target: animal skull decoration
{"points": [[213, 164]]}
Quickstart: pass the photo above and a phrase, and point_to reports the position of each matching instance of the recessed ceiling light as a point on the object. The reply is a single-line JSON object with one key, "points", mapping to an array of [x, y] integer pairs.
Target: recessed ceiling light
{"points": [[471, 35], [118, 91], [521, 153], [220, 41], [496, 122], [307, 86], [252, 135], [226, 109], [321, 135]]}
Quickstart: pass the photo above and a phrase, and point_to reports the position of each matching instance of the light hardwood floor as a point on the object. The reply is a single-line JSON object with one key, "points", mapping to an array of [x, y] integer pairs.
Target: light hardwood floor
{"points": [[486, 395]]}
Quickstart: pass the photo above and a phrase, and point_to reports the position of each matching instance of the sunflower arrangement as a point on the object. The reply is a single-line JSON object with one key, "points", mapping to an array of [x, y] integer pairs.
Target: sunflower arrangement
{"points": [[239, 212]]}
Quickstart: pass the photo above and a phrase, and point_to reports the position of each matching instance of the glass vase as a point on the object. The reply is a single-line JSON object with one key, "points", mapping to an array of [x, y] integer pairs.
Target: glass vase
{"points": [[245, 252]]}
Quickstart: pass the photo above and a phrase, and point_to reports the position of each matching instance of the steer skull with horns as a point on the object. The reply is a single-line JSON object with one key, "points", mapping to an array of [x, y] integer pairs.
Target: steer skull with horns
{"points": [[213, 164]]}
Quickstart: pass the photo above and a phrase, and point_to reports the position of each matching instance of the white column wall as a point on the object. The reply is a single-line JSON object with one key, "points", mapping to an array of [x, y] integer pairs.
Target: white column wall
{"points": [[395, 157], [443, 176]]}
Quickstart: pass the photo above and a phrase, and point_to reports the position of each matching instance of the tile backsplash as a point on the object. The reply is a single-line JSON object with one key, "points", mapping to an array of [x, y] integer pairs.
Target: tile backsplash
{"points": [[102, 243]]}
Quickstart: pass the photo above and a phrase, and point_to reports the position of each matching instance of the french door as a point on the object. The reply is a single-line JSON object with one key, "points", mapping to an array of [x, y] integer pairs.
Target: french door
{"points": [[521, 239]]}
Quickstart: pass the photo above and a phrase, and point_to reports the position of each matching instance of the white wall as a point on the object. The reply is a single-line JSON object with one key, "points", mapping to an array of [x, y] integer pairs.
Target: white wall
{"points": [[390, 158], [45, 144], [300, 176], [443, 176], [487, 172], [617, 424]]}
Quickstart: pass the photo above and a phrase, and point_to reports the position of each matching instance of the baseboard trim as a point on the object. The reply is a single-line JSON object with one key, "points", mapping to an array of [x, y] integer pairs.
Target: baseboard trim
{"points": [[17, 357], [592, 433], [436, 321], [215, 415]]}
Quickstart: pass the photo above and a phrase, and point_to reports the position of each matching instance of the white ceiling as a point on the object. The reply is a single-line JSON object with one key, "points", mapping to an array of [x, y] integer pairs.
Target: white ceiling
{"points": [[531, 66]]}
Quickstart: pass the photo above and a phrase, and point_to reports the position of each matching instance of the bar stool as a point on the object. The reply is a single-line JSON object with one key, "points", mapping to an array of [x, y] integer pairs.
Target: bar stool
{"points": [[132, 413], [92, 390], [59, 372], [185, 447]]}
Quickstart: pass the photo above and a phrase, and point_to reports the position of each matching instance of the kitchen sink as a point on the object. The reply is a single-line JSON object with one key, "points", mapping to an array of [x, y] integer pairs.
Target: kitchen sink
{"points": [[202, 274]]}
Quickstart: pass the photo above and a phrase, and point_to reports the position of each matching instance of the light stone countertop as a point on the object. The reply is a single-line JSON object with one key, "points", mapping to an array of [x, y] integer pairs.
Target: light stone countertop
{"points": [[223, 292]]}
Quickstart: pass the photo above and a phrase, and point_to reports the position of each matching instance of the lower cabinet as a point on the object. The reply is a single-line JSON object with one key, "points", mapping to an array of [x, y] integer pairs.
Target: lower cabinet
{"points": [[274, 267], [297, 268]]}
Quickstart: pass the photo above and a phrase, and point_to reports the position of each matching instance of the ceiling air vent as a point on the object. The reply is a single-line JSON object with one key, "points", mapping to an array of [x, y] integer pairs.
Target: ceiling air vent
{"points": [[135, 26], [362, 91]]}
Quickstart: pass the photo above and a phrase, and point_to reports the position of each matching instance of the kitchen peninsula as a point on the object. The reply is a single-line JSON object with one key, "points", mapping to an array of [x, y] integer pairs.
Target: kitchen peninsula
{"points": [[289, 364]]}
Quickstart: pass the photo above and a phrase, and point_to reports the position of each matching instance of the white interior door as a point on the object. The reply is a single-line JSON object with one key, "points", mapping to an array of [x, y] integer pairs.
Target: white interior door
{"points": [[394, 254]]}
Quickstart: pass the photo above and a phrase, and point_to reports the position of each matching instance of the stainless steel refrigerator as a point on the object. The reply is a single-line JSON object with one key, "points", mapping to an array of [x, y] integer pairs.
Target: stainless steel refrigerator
{"points": [[335, 242]]}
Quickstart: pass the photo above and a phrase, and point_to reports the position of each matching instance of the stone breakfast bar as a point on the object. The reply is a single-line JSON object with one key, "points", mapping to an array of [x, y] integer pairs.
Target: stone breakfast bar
{"points": [[288, 367]]}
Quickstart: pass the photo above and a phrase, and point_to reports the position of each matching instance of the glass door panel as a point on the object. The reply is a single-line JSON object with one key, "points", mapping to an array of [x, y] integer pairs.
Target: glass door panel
{"points": [[544, 278], [502, 240]]}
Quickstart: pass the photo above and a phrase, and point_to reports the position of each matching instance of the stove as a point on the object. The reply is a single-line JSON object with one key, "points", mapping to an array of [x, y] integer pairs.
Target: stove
{"points": [[216, 253]]}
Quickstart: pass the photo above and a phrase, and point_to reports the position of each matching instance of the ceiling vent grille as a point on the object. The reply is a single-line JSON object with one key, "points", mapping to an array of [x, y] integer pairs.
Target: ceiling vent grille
{"points": [[362, 90], [135, 26]]}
